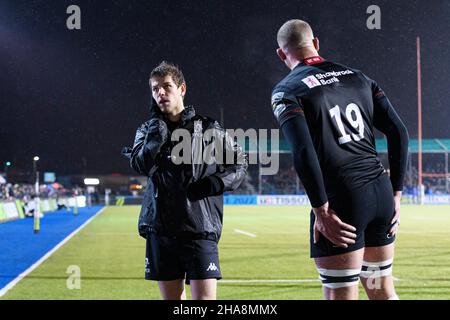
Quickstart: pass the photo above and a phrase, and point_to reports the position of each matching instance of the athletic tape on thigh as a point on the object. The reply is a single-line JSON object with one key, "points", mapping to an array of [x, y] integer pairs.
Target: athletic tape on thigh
{"points": [[376, 269], [334, 279]]}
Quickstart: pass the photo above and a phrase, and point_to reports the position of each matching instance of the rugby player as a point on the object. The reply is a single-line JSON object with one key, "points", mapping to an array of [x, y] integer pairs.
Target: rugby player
{"points": [[328, 113]]}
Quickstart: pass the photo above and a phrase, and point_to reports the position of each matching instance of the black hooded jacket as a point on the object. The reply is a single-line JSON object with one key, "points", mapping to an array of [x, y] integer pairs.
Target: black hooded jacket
{"points": [[184, 199]]}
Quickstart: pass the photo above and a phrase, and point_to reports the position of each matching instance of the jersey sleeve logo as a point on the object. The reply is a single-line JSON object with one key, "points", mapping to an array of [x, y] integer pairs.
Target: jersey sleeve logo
{"points": [[276, 98], [277, 106]]}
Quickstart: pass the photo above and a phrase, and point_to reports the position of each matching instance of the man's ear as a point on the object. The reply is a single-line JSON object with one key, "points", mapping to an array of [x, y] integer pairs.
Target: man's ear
{"points": [[316, 44], [183, 89], [281, 54]]}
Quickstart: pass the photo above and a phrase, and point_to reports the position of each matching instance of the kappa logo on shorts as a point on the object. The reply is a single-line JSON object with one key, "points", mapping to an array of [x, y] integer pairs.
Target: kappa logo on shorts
{"points": [[212, 267]]}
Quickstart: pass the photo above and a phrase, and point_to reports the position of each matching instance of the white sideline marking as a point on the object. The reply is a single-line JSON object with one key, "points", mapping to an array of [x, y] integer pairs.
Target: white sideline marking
{"points": [[10, 285], [112, 233], [245, 232]]}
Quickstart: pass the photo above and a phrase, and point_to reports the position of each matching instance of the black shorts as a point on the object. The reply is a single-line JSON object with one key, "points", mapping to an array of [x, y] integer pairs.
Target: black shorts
{"points": [[170, 258], [369, 209]]}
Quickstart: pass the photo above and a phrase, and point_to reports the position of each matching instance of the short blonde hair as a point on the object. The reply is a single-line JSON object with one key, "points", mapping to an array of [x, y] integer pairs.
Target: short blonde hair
{"points": [[295, 33]]}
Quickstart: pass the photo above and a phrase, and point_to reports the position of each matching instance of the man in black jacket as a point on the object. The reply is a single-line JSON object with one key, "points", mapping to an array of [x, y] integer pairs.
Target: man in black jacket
{"points": [[182, 211]]}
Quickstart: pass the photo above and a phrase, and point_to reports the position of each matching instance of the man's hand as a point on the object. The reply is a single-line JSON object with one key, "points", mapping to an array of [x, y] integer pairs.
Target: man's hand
{"points": [[396, 219], [157, 135], [206, 187], [328, 224]]}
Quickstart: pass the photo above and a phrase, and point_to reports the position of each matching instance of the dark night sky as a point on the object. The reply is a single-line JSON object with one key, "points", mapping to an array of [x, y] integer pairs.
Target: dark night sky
{"points": [[76, 97]]}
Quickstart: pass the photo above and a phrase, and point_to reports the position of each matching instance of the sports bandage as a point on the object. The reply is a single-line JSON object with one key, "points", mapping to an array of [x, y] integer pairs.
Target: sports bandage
{"points": [[335, 279], [376, 269]]}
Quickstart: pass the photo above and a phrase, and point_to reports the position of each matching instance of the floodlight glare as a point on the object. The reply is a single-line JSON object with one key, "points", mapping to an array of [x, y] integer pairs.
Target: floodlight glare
{"points": [[91, 181]]}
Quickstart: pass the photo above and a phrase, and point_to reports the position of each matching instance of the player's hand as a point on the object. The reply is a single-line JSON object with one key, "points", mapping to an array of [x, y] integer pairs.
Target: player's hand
{"points": [[331, 227], [206, 187], [156, 136], [396, 219]]}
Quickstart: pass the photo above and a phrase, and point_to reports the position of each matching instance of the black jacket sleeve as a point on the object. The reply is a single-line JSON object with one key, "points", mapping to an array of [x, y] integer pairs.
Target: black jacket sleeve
{"points": [[387, 121], [306, 163], [206, 187], [140, 160], [232, 173], [148, 140], [229, 174]]}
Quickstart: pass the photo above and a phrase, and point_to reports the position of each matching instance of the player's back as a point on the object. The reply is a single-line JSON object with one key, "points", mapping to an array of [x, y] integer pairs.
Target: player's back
{"points": [[337, 102]]}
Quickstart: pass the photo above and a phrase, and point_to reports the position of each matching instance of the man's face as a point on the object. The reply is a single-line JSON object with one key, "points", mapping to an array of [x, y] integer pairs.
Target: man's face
{"points": [[167, 94]]}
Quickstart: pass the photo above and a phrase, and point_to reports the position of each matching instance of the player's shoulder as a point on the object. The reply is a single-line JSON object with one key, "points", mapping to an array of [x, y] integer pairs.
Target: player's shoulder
{"points": [[207, 122], [203, 118], [290, 87], [343, 66], [290, 83], [144, 126], [350, 70], [305, 76]]}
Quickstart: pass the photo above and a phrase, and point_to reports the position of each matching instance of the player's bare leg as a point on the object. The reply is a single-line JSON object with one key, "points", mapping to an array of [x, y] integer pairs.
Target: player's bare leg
{"points": [[340, 274], [204, 289], [172, 290], [376, 275]]}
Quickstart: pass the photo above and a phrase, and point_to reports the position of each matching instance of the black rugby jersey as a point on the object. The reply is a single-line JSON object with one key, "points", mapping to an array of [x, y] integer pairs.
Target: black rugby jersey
{"points": [[339, 107]]}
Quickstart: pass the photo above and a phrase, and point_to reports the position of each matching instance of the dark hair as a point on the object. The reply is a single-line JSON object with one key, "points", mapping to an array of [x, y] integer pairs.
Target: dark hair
{"points": [[168, 69]]}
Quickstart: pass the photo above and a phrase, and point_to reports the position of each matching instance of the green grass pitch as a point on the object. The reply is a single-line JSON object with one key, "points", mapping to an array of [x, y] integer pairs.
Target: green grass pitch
{"points": [[110, 255]]}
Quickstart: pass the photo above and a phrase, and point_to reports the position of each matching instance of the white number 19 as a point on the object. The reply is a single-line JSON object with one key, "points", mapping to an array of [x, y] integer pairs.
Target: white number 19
{"points": [[357, 123]]}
